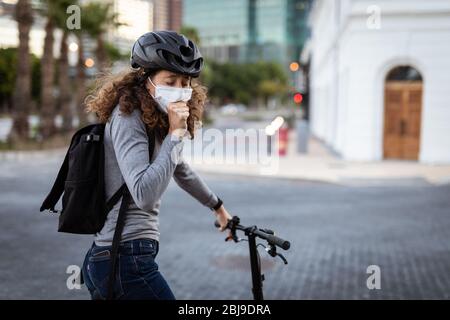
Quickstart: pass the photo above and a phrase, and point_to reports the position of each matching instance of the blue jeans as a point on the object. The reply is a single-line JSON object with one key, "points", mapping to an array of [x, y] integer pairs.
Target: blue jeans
{"points": [[137, 275]]}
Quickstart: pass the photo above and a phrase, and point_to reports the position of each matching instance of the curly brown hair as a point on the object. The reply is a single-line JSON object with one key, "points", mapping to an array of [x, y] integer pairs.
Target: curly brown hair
{"points": [[128, 90]]}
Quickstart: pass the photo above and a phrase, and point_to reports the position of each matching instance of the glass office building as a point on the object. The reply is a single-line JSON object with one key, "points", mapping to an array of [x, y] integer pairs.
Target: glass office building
{"points": [[249, 30]]}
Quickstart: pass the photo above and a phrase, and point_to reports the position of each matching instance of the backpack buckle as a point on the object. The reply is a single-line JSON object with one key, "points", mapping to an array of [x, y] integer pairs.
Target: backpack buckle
{"points": [[92, 137]]}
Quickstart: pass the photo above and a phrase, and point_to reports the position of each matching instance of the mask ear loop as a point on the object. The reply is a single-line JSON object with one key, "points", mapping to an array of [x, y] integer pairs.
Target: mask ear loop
{"points": [[151, 82], [146, 77]]}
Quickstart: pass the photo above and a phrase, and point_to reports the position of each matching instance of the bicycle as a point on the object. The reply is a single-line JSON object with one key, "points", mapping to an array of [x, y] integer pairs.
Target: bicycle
{"points": [[252, 233]]}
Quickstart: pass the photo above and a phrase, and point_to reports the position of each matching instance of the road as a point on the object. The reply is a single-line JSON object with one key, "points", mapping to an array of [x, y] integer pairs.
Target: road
{"points": [[336, 232]]}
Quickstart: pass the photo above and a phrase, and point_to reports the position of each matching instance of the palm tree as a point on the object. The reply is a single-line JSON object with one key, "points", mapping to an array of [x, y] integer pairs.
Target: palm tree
{"points": [[80, 80], [47, 123], [22, 90], [64, 84], [98, 18], [63, 65]]}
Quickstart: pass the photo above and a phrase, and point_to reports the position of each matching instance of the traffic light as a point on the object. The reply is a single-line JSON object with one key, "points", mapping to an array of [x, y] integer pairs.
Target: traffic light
{"points": [[294, 66], [298, 98]]}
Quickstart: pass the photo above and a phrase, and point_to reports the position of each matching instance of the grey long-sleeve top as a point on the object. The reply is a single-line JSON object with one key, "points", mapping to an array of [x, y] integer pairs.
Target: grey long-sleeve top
{"points": [[127, 160]]}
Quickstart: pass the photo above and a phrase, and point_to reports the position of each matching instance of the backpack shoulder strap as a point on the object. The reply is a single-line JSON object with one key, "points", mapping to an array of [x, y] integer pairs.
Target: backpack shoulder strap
{"points": [[114, 198], [151, 142], [125, 193], [116, 242]]}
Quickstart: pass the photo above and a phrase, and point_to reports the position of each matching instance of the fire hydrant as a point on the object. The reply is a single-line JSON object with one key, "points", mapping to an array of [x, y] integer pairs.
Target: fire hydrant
{"points": [[283, 140]]}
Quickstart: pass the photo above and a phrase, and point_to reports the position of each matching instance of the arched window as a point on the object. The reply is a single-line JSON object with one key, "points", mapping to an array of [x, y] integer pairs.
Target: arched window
{"points": [[404, 73]]}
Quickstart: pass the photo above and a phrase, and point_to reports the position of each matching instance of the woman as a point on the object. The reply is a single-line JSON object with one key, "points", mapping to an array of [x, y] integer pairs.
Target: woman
{"points": [[156, 95]]}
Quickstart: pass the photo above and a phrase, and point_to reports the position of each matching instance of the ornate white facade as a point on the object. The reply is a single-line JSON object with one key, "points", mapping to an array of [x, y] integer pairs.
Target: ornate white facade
{"points": [[353, 46]]}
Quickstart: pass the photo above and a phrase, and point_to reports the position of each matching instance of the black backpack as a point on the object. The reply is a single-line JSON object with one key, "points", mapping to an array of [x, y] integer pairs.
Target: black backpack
{"points": [[81, 181]]}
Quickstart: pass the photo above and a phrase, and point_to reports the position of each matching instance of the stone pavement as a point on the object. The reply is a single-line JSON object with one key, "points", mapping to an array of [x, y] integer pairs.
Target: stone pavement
{"points": [[336, 232]]}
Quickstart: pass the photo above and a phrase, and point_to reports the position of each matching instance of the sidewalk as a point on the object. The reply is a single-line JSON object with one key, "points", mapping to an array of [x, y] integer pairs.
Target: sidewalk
{"points": [[321, 165], [32, 155], [318, 165]]}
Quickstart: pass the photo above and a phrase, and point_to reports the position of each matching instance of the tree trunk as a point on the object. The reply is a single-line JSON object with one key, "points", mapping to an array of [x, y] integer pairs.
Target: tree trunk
{"points": [[64, 85], [81, 84], [22, 89], [47, 125], [102, 56]]}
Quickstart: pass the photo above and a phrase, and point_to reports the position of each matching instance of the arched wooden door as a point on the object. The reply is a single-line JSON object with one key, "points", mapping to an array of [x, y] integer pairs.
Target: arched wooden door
{"points": [[402, 113]]}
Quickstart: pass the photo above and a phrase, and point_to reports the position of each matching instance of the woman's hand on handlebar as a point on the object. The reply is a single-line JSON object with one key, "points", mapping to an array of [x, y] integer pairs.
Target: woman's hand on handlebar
{"points": [[223, 216]]}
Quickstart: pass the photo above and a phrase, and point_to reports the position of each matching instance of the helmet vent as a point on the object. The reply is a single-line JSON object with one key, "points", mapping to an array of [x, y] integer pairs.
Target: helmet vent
{"points": [[185, 51]]}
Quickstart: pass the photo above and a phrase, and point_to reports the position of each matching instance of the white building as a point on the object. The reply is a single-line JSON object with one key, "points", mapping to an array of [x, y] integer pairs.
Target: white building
{"points": [[380, 78], [136, 18]]}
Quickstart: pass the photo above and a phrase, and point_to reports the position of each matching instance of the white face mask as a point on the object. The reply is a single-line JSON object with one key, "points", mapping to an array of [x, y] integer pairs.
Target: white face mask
{"points": [[167, 94]]}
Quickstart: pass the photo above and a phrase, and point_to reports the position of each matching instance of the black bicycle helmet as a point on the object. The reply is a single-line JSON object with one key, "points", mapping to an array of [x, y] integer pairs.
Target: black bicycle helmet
{"points": [[167, 50]]}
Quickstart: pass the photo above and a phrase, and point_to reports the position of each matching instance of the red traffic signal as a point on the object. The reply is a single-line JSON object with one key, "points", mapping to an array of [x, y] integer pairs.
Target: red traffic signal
{"points": [[298, 98]]}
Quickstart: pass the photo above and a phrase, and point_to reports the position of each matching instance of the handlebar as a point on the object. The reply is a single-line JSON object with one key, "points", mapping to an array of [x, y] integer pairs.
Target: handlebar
{"points": [[261, 233]]}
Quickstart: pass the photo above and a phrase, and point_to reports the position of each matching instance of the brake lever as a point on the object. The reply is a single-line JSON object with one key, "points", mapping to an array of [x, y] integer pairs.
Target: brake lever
{"points": [[272, 251], [232, 226], [282, 258], [235, 238]]}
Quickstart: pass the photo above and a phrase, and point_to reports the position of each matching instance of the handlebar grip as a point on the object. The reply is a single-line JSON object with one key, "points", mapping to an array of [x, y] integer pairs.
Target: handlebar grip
{"points": [[283, 244]]}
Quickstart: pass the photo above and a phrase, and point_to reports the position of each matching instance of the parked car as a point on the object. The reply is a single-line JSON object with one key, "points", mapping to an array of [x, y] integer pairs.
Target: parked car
{"points": [[232, 109]]}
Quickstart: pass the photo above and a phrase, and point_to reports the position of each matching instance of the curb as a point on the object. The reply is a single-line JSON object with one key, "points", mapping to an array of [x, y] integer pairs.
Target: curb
{"points": [[256, 176], [344, 181], [31, 155]]}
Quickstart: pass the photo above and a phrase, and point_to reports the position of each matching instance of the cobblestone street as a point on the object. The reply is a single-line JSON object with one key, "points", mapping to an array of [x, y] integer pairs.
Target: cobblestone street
{"points": [[336, 232]]}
